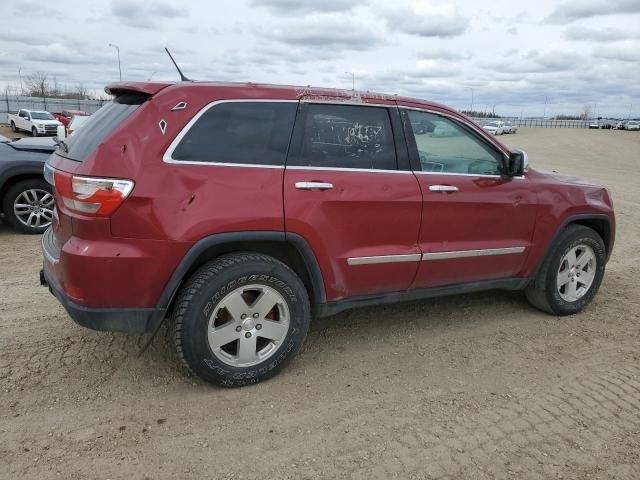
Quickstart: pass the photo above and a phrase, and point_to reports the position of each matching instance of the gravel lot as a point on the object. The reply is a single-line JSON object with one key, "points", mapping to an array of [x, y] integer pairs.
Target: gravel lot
{"points": [[478, 386]]}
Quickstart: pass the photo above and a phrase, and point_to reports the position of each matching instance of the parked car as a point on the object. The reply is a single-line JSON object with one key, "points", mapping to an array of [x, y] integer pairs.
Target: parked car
{"points": [[594, 124], [34, 121], [66, 116], [620, 125], [242, 210], [493, 127], [508, 127], [76, 123], [27, 203], [632, 125]]}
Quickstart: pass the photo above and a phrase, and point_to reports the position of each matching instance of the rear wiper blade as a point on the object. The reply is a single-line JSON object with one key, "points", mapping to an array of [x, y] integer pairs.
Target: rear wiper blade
{"points": [[62, 144]]}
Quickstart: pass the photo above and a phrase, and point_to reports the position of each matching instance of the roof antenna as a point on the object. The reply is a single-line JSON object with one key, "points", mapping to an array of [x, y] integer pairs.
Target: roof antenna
{"points": [[182, 77]]}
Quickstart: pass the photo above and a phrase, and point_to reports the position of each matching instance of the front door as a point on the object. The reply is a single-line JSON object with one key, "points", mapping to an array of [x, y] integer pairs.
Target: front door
{"points": [[347, 196], [477, 224]]}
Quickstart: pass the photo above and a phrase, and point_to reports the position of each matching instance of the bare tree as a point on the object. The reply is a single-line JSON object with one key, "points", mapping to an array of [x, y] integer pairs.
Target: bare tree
{"points": [[37, 84], [586, 113]]}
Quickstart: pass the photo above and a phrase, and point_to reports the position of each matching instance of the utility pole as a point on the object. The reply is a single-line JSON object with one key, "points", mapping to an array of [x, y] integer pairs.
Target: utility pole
{"points": [[630, 108], [546, 99], [119, 67]]}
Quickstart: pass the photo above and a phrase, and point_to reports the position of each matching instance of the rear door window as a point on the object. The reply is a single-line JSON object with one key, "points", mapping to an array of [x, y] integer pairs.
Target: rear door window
{"points": [[245, 133], [99, 125], [344, 136]]}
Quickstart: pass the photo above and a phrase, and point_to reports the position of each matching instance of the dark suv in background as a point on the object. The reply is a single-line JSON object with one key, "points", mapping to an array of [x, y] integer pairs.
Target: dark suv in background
{"points": [[241, 211], [25, 197]]}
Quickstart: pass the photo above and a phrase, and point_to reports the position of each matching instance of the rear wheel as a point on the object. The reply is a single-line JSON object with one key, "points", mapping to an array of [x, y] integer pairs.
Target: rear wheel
{"points": [[571, 274], [240, 319], [28, 206]]}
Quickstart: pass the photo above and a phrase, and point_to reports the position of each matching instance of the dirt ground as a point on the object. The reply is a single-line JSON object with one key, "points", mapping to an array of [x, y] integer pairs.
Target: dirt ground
{"points": [[5, 130], [478, 386]]}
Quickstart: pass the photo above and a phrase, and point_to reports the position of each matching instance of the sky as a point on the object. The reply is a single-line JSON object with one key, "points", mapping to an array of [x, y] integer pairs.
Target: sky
{"points": [[517, 57]]}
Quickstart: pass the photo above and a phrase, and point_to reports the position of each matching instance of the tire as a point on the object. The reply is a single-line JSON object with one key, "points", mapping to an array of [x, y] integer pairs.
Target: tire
{"points": [[545, 292], [29, 193], [200, 308], [13, 127], [34, 131]]}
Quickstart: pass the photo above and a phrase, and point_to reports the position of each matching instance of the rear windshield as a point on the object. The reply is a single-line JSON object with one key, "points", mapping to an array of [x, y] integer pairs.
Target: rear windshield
{"points": [[99, 125]]}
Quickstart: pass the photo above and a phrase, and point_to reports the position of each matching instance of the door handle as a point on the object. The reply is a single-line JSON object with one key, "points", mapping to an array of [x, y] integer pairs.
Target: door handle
{"points": [[314, 186], [443, 188]]}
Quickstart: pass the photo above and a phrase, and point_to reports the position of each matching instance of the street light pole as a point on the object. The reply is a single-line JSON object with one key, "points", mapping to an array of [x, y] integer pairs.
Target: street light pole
{"points": [[119, 67], [546, 99], [472, 91], [353, 80]]}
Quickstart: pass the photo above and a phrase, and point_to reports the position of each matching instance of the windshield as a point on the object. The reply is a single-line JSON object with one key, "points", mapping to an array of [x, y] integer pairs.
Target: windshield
{"points": [[99, 126], [41, 116], [493, 124]]}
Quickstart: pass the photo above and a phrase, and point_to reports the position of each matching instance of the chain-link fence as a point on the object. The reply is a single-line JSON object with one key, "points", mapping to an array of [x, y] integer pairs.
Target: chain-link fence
{"points": [[540, 122], [11, 104]]}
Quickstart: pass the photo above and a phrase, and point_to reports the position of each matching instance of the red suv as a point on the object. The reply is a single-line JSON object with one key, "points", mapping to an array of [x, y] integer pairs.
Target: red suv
{"points": [[241, 211]]}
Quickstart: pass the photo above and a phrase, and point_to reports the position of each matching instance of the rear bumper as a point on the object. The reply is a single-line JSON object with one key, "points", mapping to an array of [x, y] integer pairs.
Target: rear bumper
{"points": [[129, 320]]}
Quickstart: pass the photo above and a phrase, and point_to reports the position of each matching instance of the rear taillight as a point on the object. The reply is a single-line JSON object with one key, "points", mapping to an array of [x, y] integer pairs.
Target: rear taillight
{"points": [[91, 195]]}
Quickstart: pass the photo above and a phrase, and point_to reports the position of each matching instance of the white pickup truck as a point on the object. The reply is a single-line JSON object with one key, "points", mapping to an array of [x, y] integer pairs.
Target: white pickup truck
{"points": [[34, 121]]}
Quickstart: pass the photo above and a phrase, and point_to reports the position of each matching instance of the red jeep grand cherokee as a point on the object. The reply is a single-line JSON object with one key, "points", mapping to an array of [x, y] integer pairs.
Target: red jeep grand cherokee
{"points": [[241, 211]]}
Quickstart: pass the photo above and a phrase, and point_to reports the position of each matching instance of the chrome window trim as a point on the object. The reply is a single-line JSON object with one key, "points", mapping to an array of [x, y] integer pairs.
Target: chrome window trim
{"points": [[411, 257], [345, 169], [471, 253], [415, 257], [168, 154]]}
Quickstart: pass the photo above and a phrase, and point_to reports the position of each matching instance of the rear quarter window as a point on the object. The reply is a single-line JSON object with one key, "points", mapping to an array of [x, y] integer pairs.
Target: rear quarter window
{"points": [[248, 133]]}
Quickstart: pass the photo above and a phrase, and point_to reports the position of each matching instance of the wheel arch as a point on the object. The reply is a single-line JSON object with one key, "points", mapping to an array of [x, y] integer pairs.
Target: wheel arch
{"points": [[599, 222], [291, 249], [10, 178]]}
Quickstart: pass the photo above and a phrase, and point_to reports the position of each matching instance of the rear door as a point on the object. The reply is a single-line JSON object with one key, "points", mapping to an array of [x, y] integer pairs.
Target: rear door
{"points": [[349, 192], [477, 224]]}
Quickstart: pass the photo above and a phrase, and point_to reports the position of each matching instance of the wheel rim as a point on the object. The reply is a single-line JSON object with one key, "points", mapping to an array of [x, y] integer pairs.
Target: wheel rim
{"points": [[248, 326], [34, 208], [576, 272]]}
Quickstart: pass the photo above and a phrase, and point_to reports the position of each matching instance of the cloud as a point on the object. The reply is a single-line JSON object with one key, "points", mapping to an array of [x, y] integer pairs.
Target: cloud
{"points": [[512, 31], [579, 9], [335, 31], [142, 14], [23, 38], [425, 19], [296, 7], [57, 53], [444, 54], [609, 34], [623, 53], [536, 62]]}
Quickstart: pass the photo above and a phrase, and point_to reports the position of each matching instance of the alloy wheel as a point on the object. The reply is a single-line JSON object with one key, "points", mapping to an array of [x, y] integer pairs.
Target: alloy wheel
{"points": [[34, 208], [576, 273], [248, 326]]}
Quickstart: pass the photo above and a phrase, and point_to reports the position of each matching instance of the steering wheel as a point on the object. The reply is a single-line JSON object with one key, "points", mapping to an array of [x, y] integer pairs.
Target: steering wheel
{"points": [[476, 167]]}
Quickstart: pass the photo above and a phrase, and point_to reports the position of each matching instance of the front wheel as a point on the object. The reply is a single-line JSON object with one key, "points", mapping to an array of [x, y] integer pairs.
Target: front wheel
{"points": [[34, 131], [13, 127], [571, 274], [240, 319]]}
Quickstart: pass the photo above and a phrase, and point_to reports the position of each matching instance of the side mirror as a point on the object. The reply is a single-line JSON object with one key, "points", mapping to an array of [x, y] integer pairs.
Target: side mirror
{"points": [[518, 163]]}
